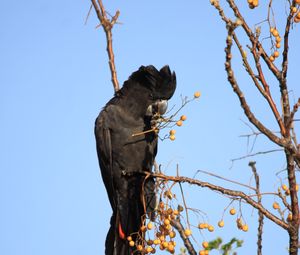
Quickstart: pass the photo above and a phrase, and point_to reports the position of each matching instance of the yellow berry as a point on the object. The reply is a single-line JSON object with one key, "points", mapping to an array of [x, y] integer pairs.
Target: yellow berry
{"points": [[221, 223], [156, 241], [129, 238], [172, 132], [172, 137], [255, 3], [232, 211], [170, 210], [294, 9], [297, 187], [197, 94], [297, 1], [131, 243], [278, 45], [187, 232], [202, 225], [271, 58], [250, 1], [183, 117], [170, 196], [172, 234], [149, 249], [167, 222], [202, 252], [284, 187], [204, 245], [275, 32], [289, 217], [143, 228], [276, 54], [170, 247], [168, 227], [278, 39], [245, 228], [211, 228], [139, 247], [173, 242], [287, 192], [162, 238], [175, 212], [179, 123], [149, 225], [165, 244], [276, 205]]}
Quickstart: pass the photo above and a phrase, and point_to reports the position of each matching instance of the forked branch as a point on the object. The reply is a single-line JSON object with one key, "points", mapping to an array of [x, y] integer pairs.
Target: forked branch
{"points": [[107, 25]]}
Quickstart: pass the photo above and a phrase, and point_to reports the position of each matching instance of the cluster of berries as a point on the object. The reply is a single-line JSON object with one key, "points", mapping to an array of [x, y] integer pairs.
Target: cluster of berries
{"points": [[295, 10], [276, 205], [179, 122], [161, 230], [277, 37]]}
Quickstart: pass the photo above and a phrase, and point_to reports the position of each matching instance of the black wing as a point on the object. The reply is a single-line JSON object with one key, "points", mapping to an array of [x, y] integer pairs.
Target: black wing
{"points": [[104, 151]]}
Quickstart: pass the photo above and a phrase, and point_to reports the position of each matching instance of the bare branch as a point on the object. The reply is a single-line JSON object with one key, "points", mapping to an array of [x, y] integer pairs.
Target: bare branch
{"points": [[107, 27], [294, 226], [260, 214]]}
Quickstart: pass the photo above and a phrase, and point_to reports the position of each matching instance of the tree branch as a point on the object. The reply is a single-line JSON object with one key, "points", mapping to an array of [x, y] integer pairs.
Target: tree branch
{"points": [[294, 224], [260, 214], [233, 193], [107, 27]]}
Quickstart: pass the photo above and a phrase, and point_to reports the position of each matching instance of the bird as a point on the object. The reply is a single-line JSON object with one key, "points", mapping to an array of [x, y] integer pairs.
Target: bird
{"points": [[126, 147]]}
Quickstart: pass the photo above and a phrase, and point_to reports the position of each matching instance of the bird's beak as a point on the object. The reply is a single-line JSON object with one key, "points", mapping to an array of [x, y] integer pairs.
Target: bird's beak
{"points": [[159, 107], [162, 106]]}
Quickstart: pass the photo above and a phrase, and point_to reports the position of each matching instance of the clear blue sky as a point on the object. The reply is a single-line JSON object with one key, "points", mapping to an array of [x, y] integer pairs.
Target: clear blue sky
{"points": [[54, 79]]}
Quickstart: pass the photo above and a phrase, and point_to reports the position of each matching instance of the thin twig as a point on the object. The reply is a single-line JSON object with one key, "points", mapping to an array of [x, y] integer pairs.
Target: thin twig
{"points": [[256, 153], [260, 215], [283, 199], [225, 179], [88, 15]]}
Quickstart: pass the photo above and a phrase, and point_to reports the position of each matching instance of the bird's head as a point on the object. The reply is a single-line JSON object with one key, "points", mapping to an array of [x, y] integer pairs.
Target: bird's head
{"points": [[159, 84]]}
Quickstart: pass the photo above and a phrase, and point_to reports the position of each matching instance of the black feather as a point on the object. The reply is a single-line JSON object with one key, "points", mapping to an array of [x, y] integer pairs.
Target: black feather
{"points": [[130, 196]]}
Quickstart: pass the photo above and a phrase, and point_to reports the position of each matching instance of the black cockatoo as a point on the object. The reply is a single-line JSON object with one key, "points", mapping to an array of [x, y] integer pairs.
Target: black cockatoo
{"points": [[129, 112]]}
